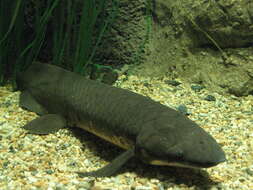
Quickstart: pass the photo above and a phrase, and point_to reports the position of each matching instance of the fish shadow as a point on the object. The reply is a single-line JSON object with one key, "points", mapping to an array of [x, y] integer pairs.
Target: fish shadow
{"points": [[168, 176]]}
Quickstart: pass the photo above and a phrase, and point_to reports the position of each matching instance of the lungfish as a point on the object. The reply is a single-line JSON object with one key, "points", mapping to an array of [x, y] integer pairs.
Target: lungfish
{"points": [[142, 127]]}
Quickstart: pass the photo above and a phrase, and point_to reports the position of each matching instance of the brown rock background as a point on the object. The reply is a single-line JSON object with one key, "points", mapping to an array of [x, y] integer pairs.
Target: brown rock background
{"points": [[206, 42]]}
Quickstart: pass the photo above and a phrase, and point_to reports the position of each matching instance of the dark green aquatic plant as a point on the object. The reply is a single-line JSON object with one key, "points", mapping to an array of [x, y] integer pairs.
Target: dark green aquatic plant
{"points": [[69, 27], [11, 36], [42, 18], [146, 37], [87, 42], [17, 51], [84, 37], [70, 32]]}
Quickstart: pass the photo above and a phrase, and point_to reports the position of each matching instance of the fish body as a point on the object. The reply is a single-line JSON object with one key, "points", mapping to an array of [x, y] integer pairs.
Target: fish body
{"points": [[153, 132]]}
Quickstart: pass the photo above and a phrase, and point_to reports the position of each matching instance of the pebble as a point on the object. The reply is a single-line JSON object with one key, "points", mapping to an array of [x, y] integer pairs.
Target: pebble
{"points": [[183, 109], [249, 171], [210, 98], [172, 82], [197, 88]]}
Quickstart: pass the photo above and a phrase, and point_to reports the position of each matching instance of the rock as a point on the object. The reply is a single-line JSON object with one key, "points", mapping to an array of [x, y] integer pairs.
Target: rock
{"points": [[226, 23], [197, 88], [183, 109], [172, 82], [110, 77], [210, 98], [249, 171], [204, 42]]}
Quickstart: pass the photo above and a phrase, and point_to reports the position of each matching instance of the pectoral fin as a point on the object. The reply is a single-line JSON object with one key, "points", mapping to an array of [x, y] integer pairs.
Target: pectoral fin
{"points": [[111, 168], [46, 124], [28, 102]]}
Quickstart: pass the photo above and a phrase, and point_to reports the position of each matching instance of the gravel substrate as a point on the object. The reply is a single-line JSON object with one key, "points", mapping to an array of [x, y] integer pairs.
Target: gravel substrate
{"points": [[49, 161]]}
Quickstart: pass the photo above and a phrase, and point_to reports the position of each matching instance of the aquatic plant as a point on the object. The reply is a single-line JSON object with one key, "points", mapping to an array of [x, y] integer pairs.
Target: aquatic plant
{"points": [[146, 38], [11, 35], [87, 43], [67, 26]]}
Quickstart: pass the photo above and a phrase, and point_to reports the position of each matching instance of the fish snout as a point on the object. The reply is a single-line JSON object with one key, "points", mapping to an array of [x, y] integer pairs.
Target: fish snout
{"points": [[204, 152]]}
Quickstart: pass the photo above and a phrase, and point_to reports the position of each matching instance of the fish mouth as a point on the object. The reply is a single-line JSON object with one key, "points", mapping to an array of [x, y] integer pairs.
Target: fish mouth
{"points": [[214, 163], [186, 164]]}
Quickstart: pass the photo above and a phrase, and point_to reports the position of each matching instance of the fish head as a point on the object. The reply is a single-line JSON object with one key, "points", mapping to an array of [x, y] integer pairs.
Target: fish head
{"points": [[186, 145]]}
